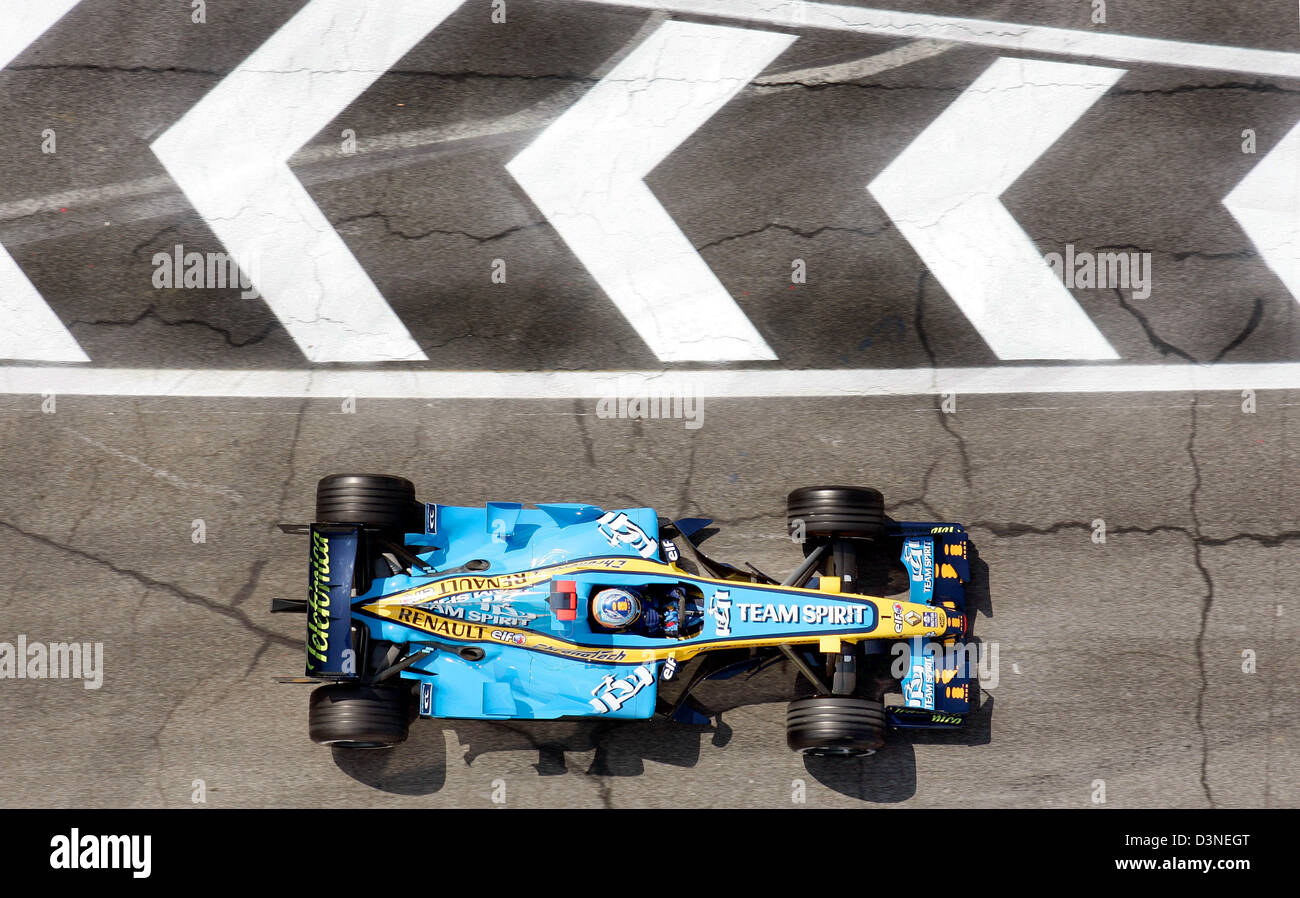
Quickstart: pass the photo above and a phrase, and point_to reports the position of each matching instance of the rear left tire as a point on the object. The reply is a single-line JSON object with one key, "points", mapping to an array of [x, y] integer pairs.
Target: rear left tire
{"points": [[345, 715], [372, 500]]}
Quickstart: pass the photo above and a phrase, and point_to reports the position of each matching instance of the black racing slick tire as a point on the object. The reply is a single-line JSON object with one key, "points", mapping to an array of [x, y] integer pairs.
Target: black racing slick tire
{"points": [[350, 716], [374, 500], [831, 511], [838, 726]]}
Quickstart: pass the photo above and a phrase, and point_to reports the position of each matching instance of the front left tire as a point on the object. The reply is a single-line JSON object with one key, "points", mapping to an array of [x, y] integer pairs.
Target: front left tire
{"points": [[828, 512]]}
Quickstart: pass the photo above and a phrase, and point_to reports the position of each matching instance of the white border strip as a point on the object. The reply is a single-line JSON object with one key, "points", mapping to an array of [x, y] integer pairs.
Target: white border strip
{"points": [[732, 384], [1006, 35]]}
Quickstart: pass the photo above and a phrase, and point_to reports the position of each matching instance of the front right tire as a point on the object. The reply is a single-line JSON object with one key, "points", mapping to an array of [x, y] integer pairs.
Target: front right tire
{"points": [[835, 726]]}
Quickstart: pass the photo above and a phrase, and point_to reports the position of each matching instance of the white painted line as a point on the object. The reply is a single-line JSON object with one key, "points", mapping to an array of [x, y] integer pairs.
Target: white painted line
{"points": [[230, 156], [586, 174], [942, 192], [532, 118], [853, 70], [29, 329], [86, 196], [174, 479], [734, 384], [1266, 203], [983, 32]]}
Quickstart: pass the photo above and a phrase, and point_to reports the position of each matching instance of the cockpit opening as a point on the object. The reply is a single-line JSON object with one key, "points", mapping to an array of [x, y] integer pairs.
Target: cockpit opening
{"points": [[673, 611]]}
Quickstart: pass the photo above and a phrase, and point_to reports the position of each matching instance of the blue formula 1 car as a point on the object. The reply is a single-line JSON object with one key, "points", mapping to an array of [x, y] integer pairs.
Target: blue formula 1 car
{"points": [[568, 610]]}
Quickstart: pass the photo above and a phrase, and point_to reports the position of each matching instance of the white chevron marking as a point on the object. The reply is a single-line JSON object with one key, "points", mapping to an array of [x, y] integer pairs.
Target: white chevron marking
{"points": [[586, 173], [230, 156], [942, 192]]}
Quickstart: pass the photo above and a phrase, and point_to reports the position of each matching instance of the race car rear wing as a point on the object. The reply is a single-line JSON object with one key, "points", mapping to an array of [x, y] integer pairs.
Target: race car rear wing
{"points": [[332, 561]]}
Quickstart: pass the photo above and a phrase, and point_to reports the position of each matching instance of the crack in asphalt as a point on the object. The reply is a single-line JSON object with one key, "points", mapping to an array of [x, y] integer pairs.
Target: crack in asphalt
{"points": [[604, 788], [397, 232], [1256, 315], [291, 462], [552, 753], [1177, 255], [944, 422], [116, 69], [773, 83], [684, 499], [150, 240], [1015, 530], [1206, 605], [1199, 540], [806, 234], [1166, 348], [151, 311], [245, 592], [156, 736], [918, 319], [460, 75], [768, 82], [588, 447], [1256, 86], [190, 598]]}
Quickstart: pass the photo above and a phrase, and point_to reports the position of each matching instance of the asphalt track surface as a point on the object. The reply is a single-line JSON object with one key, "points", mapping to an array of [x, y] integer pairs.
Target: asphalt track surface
{"points": [[1124, 661]]}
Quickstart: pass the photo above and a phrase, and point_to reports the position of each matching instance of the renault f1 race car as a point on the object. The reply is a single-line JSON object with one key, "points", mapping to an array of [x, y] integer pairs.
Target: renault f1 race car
{"points": [[568, 610]]}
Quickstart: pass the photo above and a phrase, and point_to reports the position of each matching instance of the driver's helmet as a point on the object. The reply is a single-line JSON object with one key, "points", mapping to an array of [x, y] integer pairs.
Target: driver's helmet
{"points": [[616, 608]]}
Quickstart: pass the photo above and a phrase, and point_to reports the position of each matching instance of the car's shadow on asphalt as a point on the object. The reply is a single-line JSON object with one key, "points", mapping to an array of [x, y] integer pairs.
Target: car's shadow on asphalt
{"points": [[616, 748], [979, 599], [607, 748], [891, 775], [622, 748], [416, 767]]}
